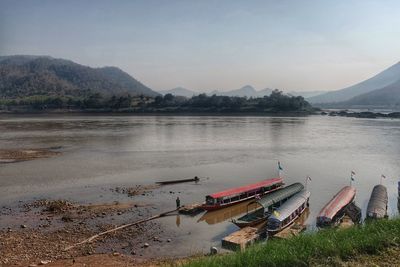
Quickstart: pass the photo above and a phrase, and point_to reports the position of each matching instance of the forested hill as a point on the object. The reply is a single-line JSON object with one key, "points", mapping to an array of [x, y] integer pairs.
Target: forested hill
{"points": [[25, 76]]}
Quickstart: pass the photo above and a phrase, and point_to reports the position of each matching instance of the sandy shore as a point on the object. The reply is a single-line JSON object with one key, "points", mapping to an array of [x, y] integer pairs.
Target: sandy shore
{"points": [[17, 155]]}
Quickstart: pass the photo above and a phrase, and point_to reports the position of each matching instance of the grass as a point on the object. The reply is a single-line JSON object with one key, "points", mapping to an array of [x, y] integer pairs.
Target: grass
{"points": [[314, 247]]}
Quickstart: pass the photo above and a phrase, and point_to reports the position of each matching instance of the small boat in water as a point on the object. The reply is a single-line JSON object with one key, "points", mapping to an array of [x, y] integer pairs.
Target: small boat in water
{"points": [[195, 179], [377, 204], [266, 205], [332, 212], [235, 195], [286, 214]]}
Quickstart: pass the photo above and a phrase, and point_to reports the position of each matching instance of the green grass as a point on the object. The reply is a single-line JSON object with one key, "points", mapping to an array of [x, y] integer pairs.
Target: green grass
{"points": [[314, 247]]}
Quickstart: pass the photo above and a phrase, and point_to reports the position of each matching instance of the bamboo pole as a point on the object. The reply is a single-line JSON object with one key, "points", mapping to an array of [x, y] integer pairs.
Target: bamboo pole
{"points": [[90, 239]]}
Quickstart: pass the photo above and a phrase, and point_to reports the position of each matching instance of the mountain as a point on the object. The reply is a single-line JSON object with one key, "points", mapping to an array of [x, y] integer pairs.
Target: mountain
{"points": [[246, 90], [179, 91], [389, 96], [22, 76], [382, 79], [306, 94]]}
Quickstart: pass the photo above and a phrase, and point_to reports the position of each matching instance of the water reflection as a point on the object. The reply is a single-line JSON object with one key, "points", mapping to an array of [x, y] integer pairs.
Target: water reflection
{"points": [[221, 215]]}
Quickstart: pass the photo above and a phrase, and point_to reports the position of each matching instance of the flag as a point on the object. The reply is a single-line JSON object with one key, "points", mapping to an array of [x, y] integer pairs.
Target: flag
{"points": [[279, 166], [352, 175], [276, 213]]}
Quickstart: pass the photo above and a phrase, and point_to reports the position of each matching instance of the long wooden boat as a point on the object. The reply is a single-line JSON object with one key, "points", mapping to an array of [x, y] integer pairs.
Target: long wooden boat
{"points": [[266, 205], [235, 195], [195, 179], [288, 212], [377, 204], [333, 211]]}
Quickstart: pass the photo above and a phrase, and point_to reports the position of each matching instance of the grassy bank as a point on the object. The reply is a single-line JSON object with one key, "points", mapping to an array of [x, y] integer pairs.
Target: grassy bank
{"points": [[313, 248]]}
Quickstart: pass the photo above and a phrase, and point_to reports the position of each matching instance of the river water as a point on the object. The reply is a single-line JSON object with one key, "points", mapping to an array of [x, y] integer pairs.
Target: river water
{"points": [[103, 152]]}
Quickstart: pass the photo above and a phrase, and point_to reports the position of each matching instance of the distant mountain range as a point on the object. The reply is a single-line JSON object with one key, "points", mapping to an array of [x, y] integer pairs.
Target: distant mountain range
{"points": [[22, 76], [247, 90], [388, 78], [388, 96]]}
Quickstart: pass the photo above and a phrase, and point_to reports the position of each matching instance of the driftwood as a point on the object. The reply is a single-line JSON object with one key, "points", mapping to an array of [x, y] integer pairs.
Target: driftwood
{"points": [[90, 239]]}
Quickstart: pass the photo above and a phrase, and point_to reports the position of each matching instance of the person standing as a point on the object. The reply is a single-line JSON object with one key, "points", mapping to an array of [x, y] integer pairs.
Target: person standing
{"points": [[178, 203]]}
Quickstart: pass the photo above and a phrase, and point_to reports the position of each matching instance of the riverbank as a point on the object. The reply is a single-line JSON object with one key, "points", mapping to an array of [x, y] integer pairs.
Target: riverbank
{"points": [[362, 114], [378, 240]]}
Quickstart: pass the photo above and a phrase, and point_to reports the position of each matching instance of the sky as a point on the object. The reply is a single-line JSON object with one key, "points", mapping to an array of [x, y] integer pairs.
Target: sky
{"points": [[205, 45]]}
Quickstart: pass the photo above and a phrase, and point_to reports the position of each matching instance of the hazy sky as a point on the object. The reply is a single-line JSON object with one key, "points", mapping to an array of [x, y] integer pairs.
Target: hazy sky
{"points": [[205, 45]]}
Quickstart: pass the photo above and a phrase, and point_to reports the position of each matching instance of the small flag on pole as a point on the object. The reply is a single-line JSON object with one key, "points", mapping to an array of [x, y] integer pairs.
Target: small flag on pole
{"points": [[279, 166], [352, 175]]}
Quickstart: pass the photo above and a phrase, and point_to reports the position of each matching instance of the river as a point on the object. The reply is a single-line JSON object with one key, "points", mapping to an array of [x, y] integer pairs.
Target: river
{"points": [[102, 152]]}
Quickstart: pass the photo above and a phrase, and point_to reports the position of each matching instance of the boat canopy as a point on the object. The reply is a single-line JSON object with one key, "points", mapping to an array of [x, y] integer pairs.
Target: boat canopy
{"points": [[278, 195], [338, 202], [377, 205], [247, 188], [290, 206]]}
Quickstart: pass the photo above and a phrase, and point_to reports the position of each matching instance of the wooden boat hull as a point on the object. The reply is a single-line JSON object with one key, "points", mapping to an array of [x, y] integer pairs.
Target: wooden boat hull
{"points": [[334, 209], [178, 181], [242, 224], [274, 231]]}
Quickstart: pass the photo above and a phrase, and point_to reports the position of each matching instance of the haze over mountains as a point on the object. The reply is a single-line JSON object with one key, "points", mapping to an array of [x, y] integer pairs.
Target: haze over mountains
{"points": [[354, 94], [22, 76], [247, 90]]}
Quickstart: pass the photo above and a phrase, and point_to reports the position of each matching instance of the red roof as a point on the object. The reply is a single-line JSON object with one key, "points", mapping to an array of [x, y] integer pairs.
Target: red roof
{"points": [[339, 201], [245, 188]]}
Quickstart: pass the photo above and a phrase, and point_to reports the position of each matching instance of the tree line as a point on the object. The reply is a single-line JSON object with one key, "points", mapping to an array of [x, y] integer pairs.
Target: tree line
{"points": [[275, 102]]}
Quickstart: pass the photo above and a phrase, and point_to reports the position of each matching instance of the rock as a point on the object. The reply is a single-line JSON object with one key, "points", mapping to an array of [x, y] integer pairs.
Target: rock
{"points": [[44, 262], [23, 226], [119, 213], [169, 240], [32, 265], [146, 245], [116, 254], [133, 252]]}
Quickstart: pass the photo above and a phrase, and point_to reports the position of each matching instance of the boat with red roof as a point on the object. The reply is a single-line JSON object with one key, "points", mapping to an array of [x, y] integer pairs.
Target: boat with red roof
{"points": [[332, 212], [238, 194]]}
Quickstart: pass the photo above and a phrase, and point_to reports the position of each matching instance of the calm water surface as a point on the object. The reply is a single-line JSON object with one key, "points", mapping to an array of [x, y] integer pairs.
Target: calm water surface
{"points": [[102, 152]]}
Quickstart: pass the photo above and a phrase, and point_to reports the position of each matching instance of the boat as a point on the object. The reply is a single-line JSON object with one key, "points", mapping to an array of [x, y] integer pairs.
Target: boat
{"points": [[266, 205], [333, 211], [235, 195], [377, 204], [195, 179], [288, 212]]}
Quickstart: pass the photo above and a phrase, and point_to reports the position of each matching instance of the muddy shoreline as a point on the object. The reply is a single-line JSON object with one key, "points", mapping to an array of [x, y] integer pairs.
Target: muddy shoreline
{"points": [[38, 232]]}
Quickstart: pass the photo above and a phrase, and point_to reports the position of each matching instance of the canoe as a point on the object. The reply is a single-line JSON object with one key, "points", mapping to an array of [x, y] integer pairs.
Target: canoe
{"points": [[236, 195], [195, 179], [333, 211], [377, 204], [288, 212], [266, 205]]}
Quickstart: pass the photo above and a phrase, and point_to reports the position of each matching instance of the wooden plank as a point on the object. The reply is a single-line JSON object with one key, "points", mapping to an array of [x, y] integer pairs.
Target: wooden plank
{"points": [[241, 239]]}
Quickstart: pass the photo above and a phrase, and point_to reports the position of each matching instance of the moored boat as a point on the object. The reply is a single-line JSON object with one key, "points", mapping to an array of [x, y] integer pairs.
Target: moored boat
{"points": [[235, 195], [266, 205], [288, 212], [377, 204], [333, 211]]}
